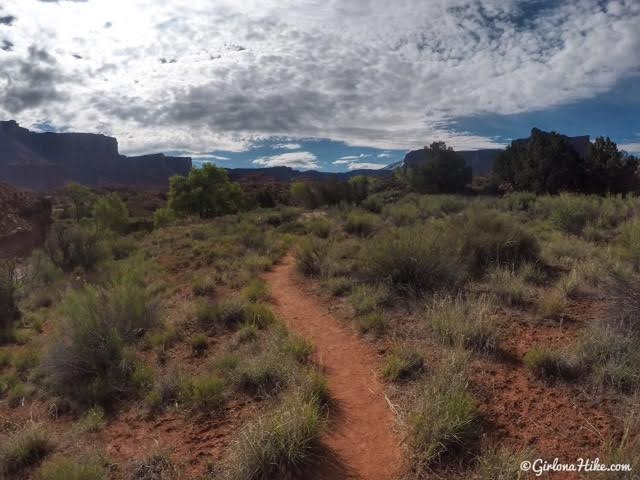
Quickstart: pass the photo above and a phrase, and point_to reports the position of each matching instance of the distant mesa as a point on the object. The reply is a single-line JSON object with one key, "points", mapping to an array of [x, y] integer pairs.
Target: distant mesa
{"points": [[50, 160]]}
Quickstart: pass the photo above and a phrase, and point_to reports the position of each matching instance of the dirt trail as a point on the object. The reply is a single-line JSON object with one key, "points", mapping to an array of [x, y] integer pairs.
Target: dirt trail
{"points": [[361, 439]]}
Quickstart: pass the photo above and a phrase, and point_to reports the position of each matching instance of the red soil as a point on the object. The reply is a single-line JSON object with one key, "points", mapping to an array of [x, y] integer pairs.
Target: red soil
{"points": [[361, 439]]}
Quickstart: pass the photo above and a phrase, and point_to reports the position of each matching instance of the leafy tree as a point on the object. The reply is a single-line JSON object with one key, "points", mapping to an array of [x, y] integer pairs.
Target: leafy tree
{"points": [[301, 194], [206, 192], [443, 171], [111, 212], [546, 162], [82, 200], [609, 170]]}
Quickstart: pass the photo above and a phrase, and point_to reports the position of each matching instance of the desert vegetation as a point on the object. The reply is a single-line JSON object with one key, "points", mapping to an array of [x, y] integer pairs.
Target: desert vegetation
{"points": [[496, 321]]}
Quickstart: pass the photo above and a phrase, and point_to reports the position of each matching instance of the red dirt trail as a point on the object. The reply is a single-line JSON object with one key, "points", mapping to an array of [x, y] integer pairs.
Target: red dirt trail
{"points": [[361, 439]]}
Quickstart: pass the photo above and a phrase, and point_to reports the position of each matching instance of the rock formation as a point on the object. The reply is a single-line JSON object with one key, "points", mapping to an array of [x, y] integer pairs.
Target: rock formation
{"points": [[49, 160]]}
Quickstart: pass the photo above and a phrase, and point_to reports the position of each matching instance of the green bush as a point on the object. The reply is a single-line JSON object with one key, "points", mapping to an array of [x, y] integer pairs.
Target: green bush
{"points": [[508, 287], [547, 364], [9, 311], [163, 217], [262, 377], [629, 238], [338, 286], [318, 226], [463, 322], [445, 415], [199, 344], [204, 393], [361, 224], [488, 238], [110, 212], [402, 363], [568, 212], [72, 246], [413, 259], [257, 291], [518, 201], [278, 443], [85, 361], [92, 421], [441, 170], [310, 255], [65, 469], [373, 322], [226, 314], [203, 287], [23, 449], [43, 270]]}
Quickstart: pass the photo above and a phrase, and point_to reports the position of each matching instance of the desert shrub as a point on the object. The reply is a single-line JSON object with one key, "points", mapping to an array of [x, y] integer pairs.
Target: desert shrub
{"points": [[162, 340], [547, 364], [85, 361], [9, 311], [488, 238], [518, 201], [23, 449], [259, 315], [445, 415], [609, 357], [262, 376], [568, 212], [365, 299], [25, 360], [156, 467], [82, 200], [72, 246], [299, 348], [204, 393], [372, 322], [5, 359], [203, 286], [65, 469], [508, 287], [551, 304], [440, 205], [338, 286], [163, 217], [533, 274], [500, 464], [257, 291], [110, 212], [129, 306], [43, 270], [402, 213], [376, 201], [361, 224], [92, 421], [413, 259], [206, 192], [310, 255], [629, 238], [463, 321], [17, 393], [199, 344], [166, 389], [318, 226], [225, 314], [402, 363], [277, 443], [121, 247]]}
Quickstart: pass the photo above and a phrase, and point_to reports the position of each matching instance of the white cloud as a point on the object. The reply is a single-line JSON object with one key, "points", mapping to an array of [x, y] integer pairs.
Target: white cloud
{"points": [[286, 146], [297, 160], [384, 155], [630, 147], [367, 165], [391, 75]]}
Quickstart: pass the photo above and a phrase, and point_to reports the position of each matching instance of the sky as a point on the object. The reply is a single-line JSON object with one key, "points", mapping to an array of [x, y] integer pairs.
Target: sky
{"points": [[330, 85]]}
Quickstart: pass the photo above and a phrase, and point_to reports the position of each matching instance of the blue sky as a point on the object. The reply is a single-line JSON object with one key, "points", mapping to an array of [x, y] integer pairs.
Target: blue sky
{"points": [[331, 85]]}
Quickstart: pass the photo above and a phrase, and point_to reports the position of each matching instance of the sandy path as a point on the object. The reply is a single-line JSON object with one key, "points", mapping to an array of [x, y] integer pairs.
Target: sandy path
{"points": [[361, 439]]}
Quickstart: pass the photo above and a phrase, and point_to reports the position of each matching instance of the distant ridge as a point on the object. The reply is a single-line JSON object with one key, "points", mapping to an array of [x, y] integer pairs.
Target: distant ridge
{"points": [[50, 160]]}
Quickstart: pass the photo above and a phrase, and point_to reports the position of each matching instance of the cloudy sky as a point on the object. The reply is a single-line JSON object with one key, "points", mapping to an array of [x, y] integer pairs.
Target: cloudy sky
{"points": [[323, 84]]}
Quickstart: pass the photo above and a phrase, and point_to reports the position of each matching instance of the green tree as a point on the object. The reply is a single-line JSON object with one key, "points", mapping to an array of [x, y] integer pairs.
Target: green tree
{"points": [[442, 171], [301, 194], [206, 192], [544, 163], [609, 170], [82, 200], [111, 212]]}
